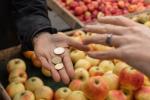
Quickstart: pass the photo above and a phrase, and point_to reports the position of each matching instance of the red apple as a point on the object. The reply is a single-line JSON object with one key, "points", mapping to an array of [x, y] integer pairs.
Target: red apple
{"points": [[132, 8], [131, 78], [79, 11], [143, 93], [87, 1], [76, 85], [96, 88], [121, 4], [129, 93], [116, 95]]}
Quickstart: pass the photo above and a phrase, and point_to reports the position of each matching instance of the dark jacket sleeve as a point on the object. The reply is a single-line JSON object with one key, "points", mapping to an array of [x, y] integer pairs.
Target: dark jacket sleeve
{"points": [[31, 17]]}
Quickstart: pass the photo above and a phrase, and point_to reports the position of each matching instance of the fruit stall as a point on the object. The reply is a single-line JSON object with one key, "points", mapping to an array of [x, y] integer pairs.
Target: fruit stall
{"points": [[24, 78]]}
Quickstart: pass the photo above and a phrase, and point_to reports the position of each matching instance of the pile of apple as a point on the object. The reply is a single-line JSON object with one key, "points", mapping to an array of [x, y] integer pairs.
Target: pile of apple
{"points": [[36, 62], [143, 18], [97, 79], [88, 10], [21, 88]]}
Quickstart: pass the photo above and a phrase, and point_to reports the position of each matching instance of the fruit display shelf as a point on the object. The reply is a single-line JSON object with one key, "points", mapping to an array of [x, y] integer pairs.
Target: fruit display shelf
{"points": [[15, 52], [106, 77], [79, 18]]}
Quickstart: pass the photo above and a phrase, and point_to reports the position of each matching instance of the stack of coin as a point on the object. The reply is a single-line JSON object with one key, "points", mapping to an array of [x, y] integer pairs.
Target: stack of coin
{"points": [[57, 61]]}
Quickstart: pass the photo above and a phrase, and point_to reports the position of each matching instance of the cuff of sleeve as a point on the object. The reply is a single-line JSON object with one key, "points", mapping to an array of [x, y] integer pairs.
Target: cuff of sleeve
{"points": [[29, 46]]}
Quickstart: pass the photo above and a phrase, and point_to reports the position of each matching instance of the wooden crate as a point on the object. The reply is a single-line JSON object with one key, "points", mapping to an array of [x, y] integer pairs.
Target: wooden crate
{"points": [[73, 21], [65, 14]]}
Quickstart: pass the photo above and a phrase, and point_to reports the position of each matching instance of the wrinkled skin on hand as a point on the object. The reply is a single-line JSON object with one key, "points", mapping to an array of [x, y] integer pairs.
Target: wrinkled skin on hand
{"points": [[131, 39], [45, 43]]}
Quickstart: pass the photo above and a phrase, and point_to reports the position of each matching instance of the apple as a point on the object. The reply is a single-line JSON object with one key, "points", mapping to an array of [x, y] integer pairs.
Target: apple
{"points": [[96, 71], [95, 88], [76, 95], [146, 81], [116, 95], [132, 8], [25, 95], [82, 63], [17, 75], [46, 72], [76, 84], [81, 74], [147, 24], [131, 78], [33, 83], [78, 10], [129, 93], [87, 1], [28, 54], [106, 65], [16, 63], [62, 93], [121, 4], [14, 88], [36, 62], [77, 55], [44, 92], [79, 33], [112, 80], [92, 61], [119, 66], [143, 93]]}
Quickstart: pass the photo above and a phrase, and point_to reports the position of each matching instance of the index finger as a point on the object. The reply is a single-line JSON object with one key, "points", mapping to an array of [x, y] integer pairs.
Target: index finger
{"points": [[106, 28], [117, 20], [77, 45]]}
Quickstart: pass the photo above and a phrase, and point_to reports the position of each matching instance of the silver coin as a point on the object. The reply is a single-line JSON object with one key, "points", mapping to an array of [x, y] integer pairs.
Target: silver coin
{"points": [[59, 66], [56, 60], [59, 50]]}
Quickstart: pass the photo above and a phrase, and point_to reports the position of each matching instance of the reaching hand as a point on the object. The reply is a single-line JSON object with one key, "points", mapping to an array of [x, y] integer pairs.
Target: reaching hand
{"points": [[132, 41]]}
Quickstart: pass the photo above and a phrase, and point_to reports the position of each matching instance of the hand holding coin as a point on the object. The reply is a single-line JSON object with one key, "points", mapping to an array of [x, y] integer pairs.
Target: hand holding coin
{"points": [[54, 55]]}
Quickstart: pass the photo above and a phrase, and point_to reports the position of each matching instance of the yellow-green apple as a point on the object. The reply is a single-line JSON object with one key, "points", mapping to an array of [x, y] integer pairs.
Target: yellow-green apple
{"points": [[36, 62], [146, 81], [128, 92], [131, 78], [44, 92], [17, 75], [16, 63], [106, 65], [116, 95], [147, 24], [76, 55], [62, 93], [14, 88], [96, 71], [99, 47], [82, 63], [76, 84], [95, 88], [46, 72], [81, 74], [143, 93], [92, 61], [79, 33], [119, 66], [76, 95], [33, 83], [112, 80], [25, 95], [28, 54]]}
